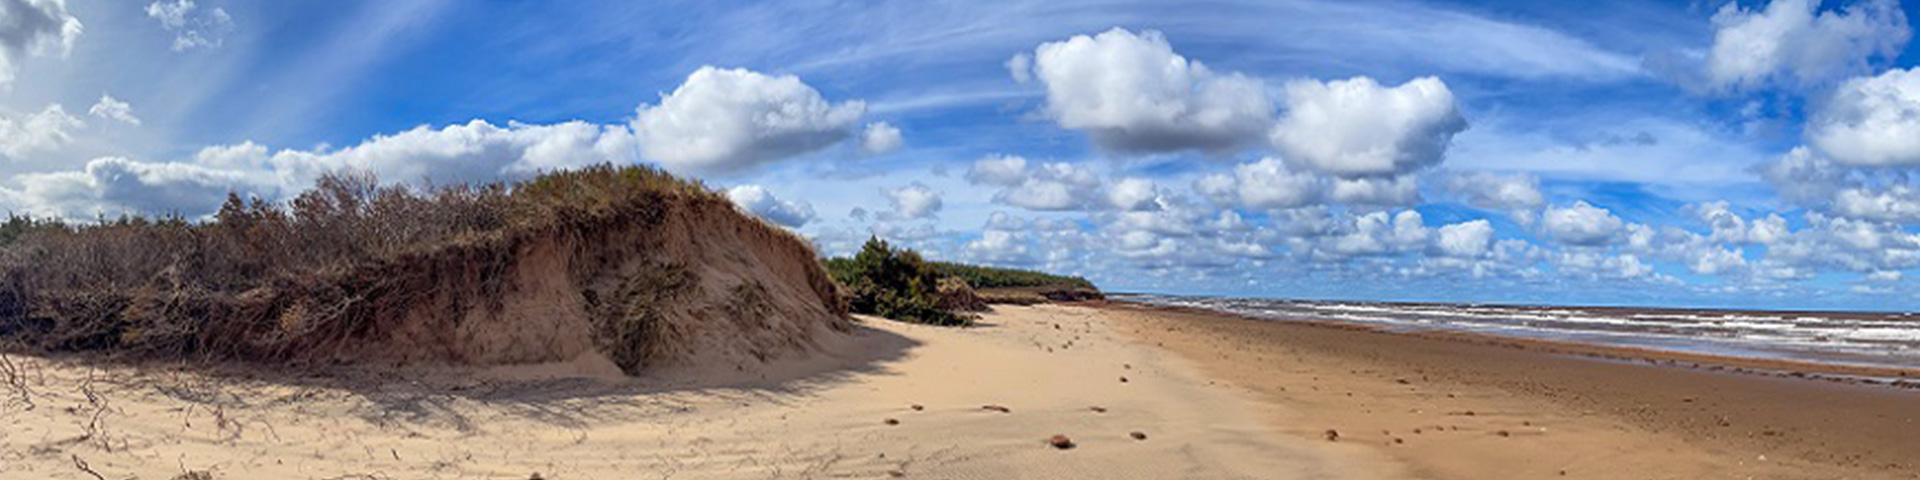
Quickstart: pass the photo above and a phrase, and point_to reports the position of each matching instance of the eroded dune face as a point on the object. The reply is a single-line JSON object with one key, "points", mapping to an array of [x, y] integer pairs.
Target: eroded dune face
{"points": [[698, 284], [624, 267]]}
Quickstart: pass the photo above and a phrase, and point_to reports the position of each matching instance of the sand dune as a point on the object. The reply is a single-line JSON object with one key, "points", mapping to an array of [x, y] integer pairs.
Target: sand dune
{"points": [[848, 412]]}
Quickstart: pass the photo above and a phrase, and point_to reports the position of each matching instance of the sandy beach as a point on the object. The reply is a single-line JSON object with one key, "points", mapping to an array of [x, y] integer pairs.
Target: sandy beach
{"points": [[1462, 406], [895, 400], [1210, 396]]}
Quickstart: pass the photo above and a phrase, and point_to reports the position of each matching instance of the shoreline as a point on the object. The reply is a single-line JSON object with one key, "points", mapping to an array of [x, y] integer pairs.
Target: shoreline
{"points": [[1891, 377], [1524, 408]]}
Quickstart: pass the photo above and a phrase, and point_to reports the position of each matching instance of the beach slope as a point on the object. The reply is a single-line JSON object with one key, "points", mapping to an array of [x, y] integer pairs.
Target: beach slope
{"points": [[1454, 406]]}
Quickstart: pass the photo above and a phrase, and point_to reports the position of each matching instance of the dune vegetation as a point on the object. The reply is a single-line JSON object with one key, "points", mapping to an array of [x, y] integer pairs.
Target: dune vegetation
{"points": [[893, 283], [997, 277], [353, 265], [897, 283]]}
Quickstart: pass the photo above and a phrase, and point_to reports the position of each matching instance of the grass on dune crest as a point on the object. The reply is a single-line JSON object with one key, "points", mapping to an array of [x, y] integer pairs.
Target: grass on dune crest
{"points": [[276, 282]]}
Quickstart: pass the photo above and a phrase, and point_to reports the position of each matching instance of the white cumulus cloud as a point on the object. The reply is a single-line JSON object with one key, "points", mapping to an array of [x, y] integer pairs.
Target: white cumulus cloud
{"points": [[1132, 93], [47, 130], [1357, 127], [1132, 194], [1268, 183], [192, 26], [1375, 233], [473, 152], [113, 109], [999, 170], [1871, 121], [34, 28], [1398, 190], [1466, 239], [1005, 240], [1047, 186], [727, 120], [1860, 192], [880, 138], [914, 201], [114, 185], [1582, 224], [1492, 191], [1896, 203], [758, 201], [1792, 41]]}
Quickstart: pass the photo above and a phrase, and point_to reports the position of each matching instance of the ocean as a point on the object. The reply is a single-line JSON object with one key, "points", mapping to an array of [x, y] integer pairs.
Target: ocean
{"points": [[1843, 338]]}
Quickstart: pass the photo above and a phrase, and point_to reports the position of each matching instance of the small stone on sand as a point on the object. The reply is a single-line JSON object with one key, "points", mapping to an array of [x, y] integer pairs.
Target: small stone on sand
{"points": [[1138, 435], [1060, 442], [1097, 409], [1503, 433], [996, 408], [1123, 379], [919, 407], [1333, 435], [892, 422]]}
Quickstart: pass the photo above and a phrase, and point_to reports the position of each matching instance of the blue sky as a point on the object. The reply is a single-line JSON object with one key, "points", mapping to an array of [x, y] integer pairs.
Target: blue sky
{"points": [[1752, 154]]}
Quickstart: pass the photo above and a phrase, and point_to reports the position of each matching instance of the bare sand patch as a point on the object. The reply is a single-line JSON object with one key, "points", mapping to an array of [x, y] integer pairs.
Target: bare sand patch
{"points": [[890, 400]]}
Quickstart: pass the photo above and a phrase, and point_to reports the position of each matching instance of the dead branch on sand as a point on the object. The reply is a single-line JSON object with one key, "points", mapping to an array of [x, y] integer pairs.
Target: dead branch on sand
{"points": [[15, 378], [361, 476], [96, 427], [82, 465]]}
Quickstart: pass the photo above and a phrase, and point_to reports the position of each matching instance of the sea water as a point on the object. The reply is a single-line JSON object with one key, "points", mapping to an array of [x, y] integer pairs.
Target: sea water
{"points": [[1850, 338]]}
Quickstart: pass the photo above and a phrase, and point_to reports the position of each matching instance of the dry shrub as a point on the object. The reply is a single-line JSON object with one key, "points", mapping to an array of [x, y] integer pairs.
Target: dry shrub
{"points": [[336, 266], [630, 318], [956, 295]]}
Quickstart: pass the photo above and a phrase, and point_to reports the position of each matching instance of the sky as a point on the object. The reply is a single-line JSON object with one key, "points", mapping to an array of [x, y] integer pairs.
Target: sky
{"points": [[1720, 154]]}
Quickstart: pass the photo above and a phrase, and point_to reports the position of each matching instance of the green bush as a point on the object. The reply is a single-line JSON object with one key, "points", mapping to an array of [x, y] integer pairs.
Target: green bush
{"points": [[995, 277], [893, 283]]}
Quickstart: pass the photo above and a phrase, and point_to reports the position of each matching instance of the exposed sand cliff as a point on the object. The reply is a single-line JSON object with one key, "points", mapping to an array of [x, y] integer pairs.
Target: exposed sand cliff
{"points": [[613, 268], [703, 285]]}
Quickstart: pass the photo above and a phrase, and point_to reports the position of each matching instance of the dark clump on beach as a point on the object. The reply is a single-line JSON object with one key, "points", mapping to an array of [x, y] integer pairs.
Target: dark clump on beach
{"points": [[1060, 442]]}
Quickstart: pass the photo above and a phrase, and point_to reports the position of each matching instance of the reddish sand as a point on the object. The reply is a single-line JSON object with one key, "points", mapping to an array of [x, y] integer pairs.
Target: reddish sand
{"points": [[1473, 407]]}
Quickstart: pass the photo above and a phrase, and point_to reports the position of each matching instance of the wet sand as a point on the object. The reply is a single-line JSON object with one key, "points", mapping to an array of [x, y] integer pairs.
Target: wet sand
{"points": [[1456, 406]]}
